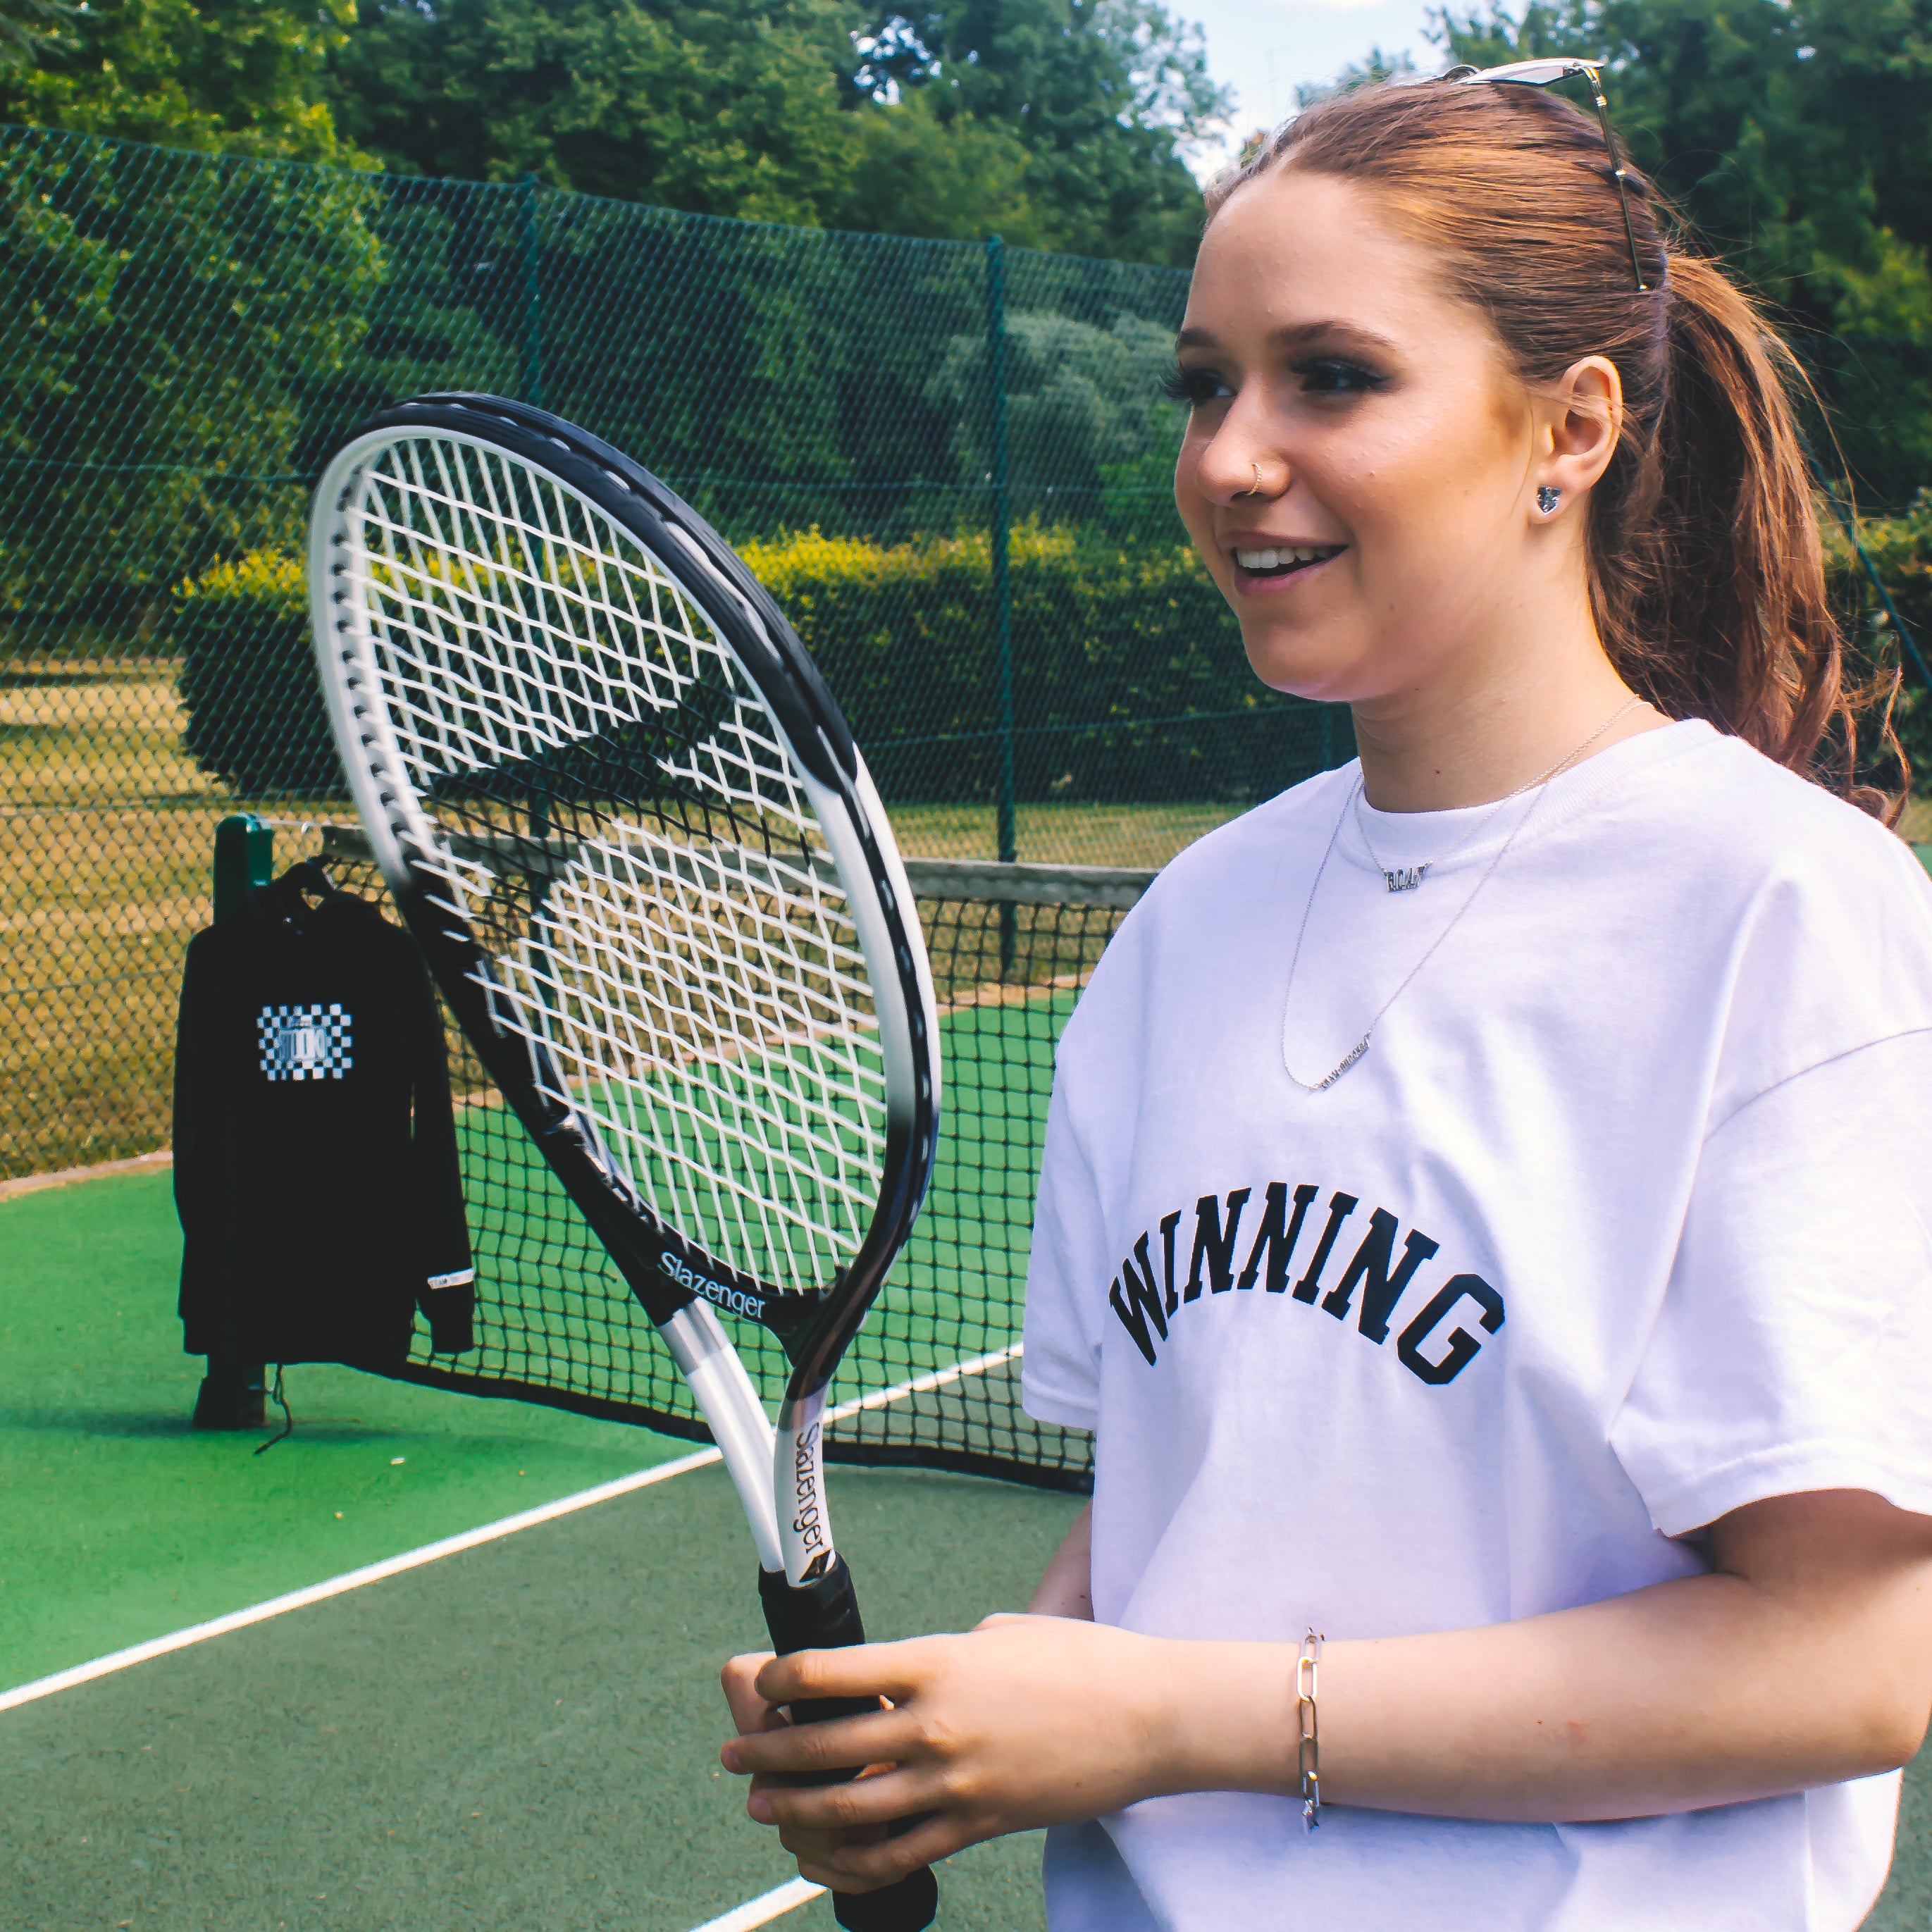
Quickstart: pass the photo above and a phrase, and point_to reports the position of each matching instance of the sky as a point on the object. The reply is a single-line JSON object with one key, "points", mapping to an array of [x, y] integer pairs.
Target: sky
{"points": [[1261, 50]]}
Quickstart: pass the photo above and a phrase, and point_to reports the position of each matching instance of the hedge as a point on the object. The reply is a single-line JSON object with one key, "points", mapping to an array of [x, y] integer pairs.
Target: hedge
{"points": [[256, 718], [1900, 549], [1129, 679]]}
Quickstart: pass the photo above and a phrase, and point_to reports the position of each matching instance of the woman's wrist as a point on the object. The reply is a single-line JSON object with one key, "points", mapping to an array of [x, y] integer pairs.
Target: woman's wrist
{"points": [[1224, 1717]]}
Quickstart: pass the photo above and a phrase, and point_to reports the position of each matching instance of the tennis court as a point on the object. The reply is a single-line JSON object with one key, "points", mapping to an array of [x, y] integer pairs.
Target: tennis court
{"points": [[520, 1733]]}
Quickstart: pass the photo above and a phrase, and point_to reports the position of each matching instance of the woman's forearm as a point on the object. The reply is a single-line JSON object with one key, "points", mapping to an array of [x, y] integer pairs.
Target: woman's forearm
{"points": [[1065, 1586], [1804, 1658], [1709, 1690]]}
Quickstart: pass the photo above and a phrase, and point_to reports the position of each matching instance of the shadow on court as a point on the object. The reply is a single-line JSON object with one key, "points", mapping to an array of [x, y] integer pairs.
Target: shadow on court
{"points": [[522, 1737]]}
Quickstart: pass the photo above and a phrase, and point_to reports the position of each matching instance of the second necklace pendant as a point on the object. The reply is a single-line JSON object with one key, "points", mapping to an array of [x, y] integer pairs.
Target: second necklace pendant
{"points": [[1406, 878]]}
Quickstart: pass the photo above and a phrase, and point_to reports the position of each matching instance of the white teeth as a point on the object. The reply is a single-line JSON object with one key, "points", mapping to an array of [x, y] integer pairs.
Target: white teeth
{"points": [[1273, 559]]}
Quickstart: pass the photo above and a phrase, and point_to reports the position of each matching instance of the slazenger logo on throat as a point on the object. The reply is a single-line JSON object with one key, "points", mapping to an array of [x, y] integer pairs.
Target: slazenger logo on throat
{"points": [[687, 1277], [1147, 1295], [808, 1522]]}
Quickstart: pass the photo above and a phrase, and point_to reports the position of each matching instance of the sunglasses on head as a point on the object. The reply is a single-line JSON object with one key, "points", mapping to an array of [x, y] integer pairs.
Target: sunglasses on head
{"points": [[1541, 73]]}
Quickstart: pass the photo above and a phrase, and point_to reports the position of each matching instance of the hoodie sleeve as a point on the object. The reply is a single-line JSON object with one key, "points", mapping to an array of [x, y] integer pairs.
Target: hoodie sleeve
{"points": [[440, 1259], [201, 1157]]}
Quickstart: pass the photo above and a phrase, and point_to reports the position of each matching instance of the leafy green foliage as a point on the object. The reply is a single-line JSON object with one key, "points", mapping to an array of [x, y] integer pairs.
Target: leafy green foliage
{"points": [[1132, 684], [1080, 400], [715, 107], [1058, 123], [1797, 136], [1106, 97], [255, 715], [1899, 550], [167, 312], [240, 77], [30, 28]]}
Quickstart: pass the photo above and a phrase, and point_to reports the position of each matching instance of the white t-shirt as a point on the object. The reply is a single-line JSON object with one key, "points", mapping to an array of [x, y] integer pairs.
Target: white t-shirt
{"points": [[1621, 1223]]}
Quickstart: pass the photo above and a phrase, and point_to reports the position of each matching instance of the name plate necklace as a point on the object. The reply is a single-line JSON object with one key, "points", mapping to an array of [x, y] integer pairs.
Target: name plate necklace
{"points": [[1361, 1046], [1406, 878]]}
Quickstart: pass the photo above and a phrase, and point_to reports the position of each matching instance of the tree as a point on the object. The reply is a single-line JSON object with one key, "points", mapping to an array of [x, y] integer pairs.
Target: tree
{"points": [[717, 107], [1107, 96], [242, 76], [1057, 123], [1796, 134], [30, 28]]}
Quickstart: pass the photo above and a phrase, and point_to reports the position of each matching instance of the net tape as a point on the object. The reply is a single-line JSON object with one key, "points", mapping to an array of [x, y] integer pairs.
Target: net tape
{"points": [[682, 964]]}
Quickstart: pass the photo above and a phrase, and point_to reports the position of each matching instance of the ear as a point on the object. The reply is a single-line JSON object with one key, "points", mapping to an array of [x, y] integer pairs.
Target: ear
{"points": [[1578, 423]]}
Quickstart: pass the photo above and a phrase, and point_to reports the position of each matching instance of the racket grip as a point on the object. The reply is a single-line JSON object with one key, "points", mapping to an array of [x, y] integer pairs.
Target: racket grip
{"points": [[823, 1614]]}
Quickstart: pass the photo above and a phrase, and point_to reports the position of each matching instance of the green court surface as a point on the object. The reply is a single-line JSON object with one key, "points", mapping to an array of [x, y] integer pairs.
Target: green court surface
{"points": [[973, 1227], [521, 1737]]}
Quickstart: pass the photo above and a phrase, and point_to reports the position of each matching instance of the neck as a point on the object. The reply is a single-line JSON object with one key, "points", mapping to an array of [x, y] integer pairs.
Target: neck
{"points": [[1485, 723]]}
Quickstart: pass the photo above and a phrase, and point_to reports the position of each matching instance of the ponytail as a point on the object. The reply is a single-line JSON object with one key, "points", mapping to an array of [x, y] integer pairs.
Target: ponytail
{"points": [[1707, 568]]}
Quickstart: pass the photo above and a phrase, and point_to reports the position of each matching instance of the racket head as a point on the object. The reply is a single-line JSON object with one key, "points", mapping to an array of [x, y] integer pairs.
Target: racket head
{"points": [[623, 815]]}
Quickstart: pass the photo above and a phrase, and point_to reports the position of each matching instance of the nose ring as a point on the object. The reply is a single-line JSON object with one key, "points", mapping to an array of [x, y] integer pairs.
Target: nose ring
{"points": [[1256, 490]]}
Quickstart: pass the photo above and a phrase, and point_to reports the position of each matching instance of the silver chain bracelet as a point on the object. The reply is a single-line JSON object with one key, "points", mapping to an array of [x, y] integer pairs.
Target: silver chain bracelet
{"points": [[1309, 1754]]}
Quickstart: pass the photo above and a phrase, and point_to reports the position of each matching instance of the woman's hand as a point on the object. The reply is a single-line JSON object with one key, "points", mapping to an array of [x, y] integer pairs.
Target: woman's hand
{"points": [[1707, 1689], [1023, 1722]]}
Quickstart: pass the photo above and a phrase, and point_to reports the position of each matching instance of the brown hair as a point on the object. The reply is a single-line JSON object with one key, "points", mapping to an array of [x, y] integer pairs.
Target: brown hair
{"points": [[1707, 572]]}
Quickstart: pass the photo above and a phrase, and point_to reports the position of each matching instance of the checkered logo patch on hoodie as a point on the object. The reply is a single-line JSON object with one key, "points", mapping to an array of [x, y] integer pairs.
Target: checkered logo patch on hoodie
{"points": [[304, 1042]]}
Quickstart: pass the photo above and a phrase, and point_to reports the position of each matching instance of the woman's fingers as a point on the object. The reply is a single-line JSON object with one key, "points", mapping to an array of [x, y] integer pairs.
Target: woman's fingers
{"points": [[820, 1848], [839, 1811], [749, 1712], [886, 1861], [840, 1743], [893, 1670]]}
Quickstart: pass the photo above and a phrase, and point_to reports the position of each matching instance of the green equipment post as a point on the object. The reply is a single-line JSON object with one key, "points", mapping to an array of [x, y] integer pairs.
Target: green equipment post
{"points": [[244, 858], [232, 1394]]}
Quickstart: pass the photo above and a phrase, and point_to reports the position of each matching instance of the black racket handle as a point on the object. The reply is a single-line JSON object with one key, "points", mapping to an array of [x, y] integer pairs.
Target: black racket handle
{"points": [[824, 1615]]}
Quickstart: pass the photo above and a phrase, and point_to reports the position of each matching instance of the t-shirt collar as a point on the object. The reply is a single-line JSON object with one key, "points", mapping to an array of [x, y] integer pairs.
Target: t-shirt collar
{"points": [[1404, 838]]}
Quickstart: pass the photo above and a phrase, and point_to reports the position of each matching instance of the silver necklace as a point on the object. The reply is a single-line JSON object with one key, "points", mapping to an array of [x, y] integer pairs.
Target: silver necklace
{"points": [[1407, 878], [1361, 1046]]}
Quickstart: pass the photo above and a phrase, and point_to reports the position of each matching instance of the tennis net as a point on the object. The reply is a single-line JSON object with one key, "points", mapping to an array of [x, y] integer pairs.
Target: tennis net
{"points": [[933, 1378]]}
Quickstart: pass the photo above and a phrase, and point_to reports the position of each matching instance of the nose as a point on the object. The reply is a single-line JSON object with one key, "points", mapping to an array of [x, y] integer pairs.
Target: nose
{"points": [[1234, 470]]}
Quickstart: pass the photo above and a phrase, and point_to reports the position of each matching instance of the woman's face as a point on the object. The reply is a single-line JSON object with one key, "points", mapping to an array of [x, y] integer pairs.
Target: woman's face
{"points": [[1322, 354]]}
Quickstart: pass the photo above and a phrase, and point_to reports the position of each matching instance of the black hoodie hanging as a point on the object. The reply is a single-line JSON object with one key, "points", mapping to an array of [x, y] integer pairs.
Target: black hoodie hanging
{"points": [[315, 1151]]}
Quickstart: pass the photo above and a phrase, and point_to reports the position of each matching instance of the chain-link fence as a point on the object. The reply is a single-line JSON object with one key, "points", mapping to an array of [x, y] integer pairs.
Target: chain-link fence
{"points": [[949, 463]]}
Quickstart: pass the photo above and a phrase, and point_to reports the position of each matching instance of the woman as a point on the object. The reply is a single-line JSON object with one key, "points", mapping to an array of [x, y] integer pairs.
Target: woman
{"points": [[1485, 1211]]}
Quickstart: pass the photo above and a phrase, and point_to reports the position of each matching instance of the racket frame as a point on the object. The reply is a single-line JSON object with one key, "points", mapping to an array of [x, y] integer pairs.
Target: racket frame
{"points": [[779, 1474]]}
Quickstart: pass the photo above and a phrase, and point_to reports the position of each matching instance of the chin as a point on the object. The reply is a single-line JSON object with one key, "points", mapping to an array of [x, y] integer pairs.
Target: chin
{"points": [[1305, 666]]}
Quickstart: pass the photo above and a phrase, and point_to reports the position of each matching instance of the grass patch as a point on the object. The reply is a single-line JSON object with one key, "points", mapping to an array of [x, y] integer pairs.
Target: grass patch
{"points": [[106, 841]]}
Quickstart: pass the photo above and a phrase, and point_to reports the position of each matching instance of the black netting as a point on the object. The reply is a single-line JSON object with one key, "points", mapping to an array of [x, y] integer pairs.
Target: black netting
{"points": [[949, 462], [938, 1357]]}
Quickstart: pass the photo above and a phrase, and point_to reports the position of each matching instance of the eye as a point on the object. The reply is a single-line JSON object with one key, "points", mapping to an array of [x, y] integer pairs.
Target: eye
{"points": [[1331, 377], [1194, 386]]}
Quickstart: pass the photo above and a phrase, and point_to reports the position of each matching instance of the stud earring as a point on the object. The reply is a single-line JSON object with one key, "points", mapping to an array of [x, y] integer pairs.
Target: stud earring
{"points": [[1547, 498]]}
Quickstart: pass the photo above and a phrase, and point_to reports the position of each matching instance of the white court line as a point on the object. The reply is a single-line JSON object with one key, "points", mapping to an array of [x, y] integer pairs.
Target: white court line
{"points": [[451, 1546], [761, 1911]]}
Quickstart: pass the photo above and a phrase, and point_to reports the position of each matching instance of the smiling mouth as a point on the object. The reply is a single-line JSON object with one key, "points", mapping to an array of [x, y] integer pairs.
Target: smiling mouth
{"points": [[1285, 560]]}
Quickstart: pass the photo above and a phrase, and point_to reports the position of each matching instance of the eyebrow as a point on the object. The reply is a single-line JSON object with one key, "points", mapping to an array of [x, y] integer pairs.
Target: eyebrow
{"points": [[1296, 335]]}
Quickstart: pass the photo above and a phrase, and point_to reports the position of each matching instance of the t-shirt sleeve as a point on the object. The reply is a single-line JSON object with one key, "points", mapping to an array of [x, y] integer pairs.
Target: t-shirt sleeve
{"points": [[1060, 1373], [1793, 1350]]}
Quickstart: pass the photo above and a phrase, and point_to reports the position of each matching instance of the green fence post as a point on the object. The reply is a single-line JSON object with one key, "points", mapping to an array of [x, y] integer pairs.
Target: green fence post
{"points": [[533, 382], [244, 858], [1007, 830]]}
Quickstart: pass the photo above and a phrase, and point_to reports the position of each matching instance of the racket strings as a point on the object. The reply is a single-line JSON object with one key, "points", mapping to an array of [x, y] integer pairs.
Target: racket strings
{"points": [[620, 823]]}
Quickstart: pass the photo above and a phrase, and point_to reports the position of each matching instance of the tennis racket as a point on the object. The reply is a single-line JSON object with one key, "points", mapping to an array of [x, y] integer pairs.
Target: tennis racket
{"points": [[617, 806]]}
